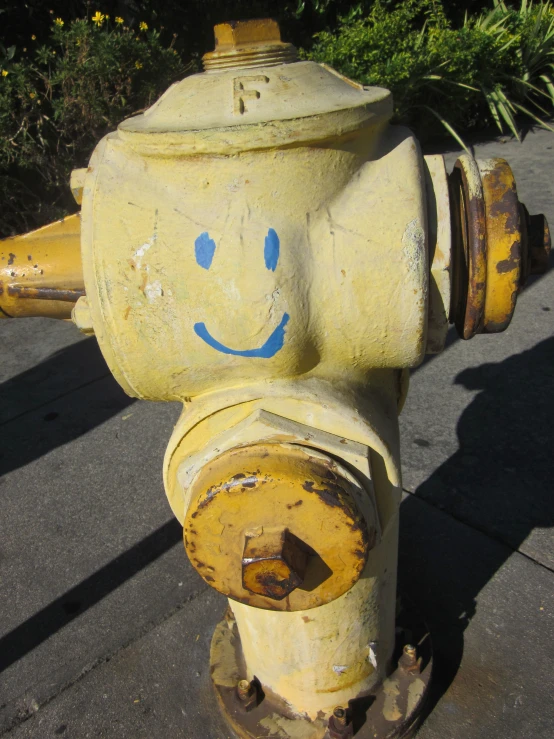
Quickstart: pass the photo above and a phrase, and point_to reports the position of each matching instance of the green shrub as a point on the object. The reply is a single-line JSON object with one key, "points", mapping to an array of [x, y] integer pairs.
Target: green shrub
{"points": [[484, 72], [59, 98]]}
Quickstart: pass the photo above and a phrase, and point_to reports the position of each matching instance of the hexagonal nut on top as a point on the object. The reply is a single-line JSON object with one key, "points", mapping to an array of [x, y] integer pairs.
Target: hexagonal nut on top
{"points": [[247, 44], [273, 563]]}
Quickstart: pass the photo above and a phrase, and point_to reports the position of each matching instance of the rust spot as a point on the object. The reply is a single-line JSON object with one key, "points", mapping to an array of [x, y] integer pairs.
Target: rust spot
{"points": [[328, 496], [506, 205], [127, 311], [209, 578], [45, 293], [294, 505], [275, 587], [307, 619], [343, 273], [29, 257], [11, 259], [512, 262]]}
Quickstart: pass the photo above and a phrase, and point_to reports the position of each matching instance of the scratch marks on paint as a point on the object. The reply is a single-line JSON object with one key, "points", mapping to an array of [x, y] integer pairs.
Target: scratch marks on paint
{"points": [[268, 349]]}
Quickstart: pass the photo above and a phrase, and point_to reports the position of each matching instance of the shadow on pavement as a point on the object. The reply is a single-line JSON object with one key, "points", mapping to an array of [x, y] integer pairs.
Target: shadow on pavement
{"points": [[55, 402], [57, 614], [499, 482]]}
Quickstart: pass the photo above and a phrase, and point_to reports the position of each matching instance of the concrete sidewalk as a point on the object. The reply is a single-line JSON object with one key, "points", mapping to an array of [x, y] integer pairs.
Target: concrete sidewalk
{"points": [[105, 629]]}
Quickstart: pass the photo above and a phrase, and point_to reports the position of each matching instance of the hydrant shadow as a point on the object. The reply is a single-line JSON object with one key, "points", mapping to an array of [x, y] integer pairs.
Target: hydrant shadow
{"points": [[499, 483]]}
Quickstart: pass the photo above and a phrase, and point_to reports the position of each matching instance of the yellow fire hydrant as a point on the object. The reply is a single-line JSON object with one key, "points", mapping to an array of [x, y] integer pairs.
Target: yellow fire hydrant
{"points": [[263, 246]]}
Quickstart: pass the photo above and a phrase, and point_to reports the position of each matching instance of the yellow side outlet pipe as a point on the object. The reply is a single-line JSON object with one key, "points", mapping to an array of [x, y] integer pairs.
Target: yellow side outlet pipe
{"points": [[41, 272]]}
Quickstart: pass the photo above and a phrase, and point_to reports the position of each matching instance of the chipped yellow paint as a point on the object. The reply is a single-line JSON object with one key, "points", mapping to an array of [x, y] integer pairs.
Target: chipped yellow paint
{"points": [[287, 728], [415, 694], [223, 663], [41, 272], [391, 710]]}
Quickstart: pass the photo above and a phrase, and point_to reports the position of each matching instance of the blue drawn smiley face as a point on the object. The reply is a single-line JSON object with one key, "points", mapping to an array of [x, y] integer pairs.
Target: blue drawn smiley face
{"points": [[204, 250]]}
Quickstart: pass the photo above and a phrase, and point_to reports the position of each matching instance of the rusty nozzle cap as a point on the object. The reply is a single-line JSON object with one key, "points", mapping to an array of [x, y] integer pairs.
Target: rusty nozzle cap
{"points": [[248, 44]]}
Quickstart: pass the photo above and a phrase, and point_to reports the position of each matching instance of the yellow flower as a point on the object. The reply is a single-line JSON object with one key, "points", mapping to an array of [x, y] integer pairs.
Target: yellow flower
{"points": [[4, 73], [58, 22], [138, 65], [32, 95], [33, 37], [98, 18], [118, 20], [143, 26]]}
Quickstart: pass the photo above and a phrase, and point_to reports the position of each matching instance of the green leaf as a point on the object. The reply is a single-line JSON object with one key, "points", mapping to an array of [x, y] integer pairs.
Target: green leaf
{"points": [[489, 97], [451, 130], [504, 108], [540, 121]]}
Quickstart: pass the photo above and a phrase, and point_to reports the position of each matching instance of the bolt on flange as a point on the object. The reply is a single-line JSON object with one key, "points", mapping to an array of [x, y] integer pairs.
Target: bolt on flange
{"points": [[248, 693], [340, 724]]}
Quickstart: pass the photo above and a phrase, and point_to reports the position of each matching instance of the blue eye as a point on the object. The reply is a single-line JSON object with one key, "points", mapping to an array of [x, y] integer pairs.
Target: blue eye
{"points": [[271, 250], [204, 250]]}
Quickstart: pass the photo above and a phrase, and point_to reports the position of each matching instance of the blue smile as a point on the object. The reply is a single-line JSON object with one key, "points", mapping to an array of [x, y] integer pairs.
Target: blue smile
{"points": [[266, 351]]}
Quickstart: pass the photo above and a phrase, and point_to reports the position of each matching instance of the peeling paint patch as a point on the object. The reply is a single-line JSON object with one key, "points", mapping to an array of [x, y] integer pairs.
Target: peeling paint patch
{"points": [[340, 669], [372, 654], [286, 728], [141, 251], [415, 694], [153, 290], [391, 711], [413, 242]]}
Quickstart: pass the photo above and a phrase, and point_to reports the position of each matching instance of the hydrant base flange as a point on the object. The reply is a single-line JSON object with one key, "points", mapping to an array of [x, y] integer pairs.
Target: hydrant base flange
{"points": [[393, 711]]}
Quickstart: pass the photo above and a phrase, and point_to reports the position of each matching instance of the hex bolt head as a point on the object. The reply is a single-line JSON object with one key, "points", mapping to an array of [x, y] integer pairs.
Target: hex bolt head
{"points": [[340, 726], [409, 660], [237, 34], [273, 563], [247, 693], [244, 689]]}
